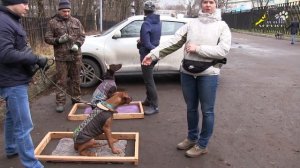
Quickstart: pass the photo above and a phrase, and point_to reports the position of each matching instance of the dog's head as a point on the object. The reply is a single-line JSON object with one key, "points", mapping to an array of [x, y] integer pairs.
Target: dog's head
{"points": [[111, 69], [121, 98]]}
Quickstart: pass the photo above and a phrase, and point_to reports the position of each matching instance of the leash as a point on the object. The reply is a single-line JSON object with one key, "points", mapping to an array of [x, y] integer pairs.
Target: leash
{"points": [[86, 70], [45, 77]]}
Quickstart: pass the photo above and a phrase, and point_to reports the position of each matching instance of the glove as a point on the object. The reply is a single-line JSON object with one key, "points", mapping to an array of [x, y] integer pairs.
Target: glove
{"points": [[42, 61], [64, 38], [31, 69], [74, 47]]}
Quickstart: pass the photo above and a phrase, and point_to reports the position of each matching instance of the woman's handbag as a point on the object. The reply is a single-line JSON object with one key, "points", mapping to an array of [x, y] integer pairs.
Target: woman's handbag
{"points": [[199, 66]]}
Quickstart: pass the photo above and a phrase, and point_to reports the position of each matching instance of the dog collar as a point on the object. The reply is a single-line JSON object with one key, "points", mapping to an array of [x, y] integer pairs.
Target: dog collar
{"points": [[105, 106]]}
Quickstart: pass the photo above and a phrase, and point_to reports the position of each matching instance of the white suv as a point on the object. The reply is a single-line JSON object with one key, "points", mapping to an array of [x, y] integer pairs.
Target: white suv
{"points": [[118, 46]]}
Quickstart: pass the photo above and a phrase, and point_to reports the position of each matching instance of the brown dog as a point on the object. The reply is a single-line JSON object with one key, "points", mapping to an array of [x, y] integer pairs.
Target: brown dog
{"points": [[99, 122]]}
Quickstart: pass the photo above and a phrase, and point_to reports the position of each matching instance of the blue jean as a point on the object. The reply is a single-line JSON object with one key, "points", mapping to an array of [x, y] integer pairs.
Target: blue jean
{"points": [[18, 125], [150, 84], [293, 38], [199, 89]]}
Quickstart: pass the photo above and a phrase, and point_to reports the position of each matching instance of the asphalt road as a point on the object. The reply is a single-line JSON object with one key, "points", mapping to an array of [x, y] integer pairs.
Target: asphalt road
{"points": [[257, 121]]}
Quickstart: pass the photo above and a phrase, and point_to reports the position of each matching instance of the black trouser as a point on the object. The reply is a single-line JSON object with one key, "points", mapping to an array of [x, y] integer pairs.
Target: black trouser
{"points": [[150, 84]]}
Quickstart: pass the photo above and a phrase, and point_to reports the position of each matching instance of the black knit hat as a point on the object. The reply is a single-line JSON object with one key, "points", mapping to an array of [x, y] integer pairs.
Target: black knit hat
{"points": [[64, 4], [13, 2], [149, 6]]}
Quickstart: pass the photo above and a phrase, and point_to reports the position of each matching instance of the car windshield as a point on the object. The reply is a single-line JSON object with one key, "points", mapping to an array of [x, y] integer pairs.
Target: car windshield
{"points": [[112, 28]]}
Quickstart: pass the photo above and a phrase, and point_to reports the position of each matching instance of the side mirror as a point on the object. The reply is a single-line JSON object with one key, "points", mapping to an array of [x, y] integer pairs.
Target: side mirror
{"points": [[117, 35]]}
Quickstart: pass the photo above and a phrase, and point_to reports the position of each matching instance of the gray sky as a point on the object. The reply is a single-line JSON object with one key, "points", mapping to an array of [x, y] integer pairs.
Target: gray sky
{"points": [[172, 2]]}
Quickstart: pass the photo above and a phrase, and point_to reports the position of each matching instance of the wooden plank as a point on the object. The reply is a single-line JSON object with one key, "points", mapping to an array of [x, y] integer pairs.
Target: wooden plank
{"points": [[86, 159], [58, 135], [136, 149], [119, 116], [43, 144]]}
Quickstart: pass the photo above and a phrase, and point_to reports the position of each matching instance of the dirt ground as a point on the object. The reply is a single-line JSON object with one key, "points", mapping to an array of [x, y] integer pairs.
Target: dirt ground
{"points": [[257, 122]]}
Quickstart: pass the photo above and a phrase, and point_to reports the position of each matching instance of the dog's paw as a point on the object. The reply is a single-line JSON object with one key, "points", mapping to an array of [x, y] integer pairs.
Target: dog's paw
{"points": [[116, 151], [114, 140], [88, 153]]}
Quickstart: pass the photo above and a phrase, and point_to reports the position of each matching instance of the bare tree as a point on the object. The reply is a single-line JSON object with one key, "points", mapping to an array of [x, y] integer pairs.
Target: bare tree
{"points": [[260, 3], [222, 4], [179, 7], [51, 8], [41, 9], [137, 6], [193, 7]]}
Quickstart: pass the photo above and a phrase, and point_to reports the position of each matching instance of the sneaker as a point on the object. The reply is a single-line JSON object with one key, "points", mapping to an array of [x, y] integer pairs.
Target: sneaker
{"points": [[185, 144], [60, 108], [195, 151], [151, 110]]}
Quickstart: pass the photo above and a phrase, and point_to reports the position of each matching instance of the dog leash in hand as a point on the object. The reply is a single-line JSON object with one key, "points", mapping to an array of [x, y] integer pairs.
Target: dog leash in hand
{"points": [[44, 77]]}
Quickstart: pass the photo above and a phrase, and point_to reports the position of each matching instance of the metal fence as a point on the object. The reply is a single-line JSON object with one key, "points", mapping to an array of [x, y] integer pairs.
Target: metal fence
{"points": [[270, 19], [36, 28]]}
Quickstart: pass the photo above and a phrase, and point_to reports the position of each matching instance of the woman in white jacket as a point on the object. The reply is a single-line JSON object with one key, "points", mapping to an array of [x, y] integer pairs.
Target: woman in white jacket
{"points": [[207, 41]]}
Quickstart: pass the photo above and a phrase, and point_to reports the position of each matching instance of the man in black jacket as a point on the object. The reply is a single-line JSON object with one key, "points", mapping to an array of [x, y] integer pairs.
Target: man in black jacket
{"points": [[149, 38], [294, 26], [16, 62]]}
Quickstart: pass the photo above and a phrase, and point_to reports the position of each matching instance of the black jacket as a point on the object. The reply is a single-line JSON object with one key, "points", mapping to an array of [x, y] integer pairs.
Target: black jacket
{"points": [[150, 34], [15, 55], [294, 27]]}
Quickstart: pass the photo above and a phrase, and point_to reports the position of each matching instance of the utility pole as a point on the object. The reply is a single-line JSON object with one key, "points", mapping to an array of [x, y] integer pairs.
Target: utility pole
{"points": [[100, 16], [132, 10]]}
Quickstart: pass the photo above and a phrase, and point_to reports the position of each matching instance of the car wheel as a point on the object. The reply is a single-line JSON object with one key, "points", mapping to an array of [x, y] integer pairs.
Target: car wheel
{"points": [[90, 73]]}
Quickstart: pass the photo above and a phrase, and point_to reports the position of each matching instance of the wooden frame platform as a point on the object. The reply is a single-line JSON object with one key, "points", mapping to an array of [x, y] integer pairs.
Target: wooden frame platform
{"points": [[80, 117], [59, 135]]}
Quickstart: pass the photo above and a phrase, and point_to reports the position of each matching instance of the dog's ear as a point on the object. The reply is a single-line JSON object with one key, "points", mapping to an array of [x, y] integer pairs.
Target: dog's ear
{"points": [[110, 70], [115, 67]]}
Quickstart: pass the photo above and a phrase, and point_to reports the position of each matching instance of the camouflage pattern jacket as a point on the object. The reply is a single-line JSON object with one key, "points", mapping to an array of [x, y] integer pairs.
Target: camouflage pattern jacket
{"points": [[57, 27]]}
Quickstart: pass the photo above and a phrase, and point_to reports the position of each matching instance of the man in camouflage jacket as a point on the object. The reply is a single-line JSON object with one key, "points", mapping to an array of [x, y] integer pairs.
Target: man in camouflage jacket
{"points": [[67, 35]]}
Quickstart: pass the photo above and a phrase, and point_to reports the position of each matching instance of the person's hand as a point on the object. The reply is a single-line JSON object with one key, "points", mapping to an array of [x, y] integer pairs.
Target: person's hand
{"points": [[42, 61], [147, 60], [138, 44], [63, 39], [75, 48], [190, 47]]}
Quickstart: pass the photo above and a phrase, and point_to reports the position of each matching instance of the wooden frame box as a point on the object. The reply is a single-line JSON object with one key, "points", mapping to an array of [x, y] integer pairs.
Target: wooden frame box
{"points": [[59, 135], [75, 117]]}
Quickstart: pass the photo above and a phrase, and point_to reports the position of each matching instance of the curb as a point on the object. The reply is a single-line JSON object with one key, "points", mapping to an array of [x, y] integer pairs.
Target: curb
{"points": [[285, 37]]}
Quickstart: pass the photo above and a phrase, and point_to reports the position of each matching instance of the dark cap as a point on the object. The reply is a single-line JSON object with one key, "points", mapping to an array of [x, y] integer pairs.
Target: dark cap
{"points": [[149, 6], [64, 4], [13, 2]]}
